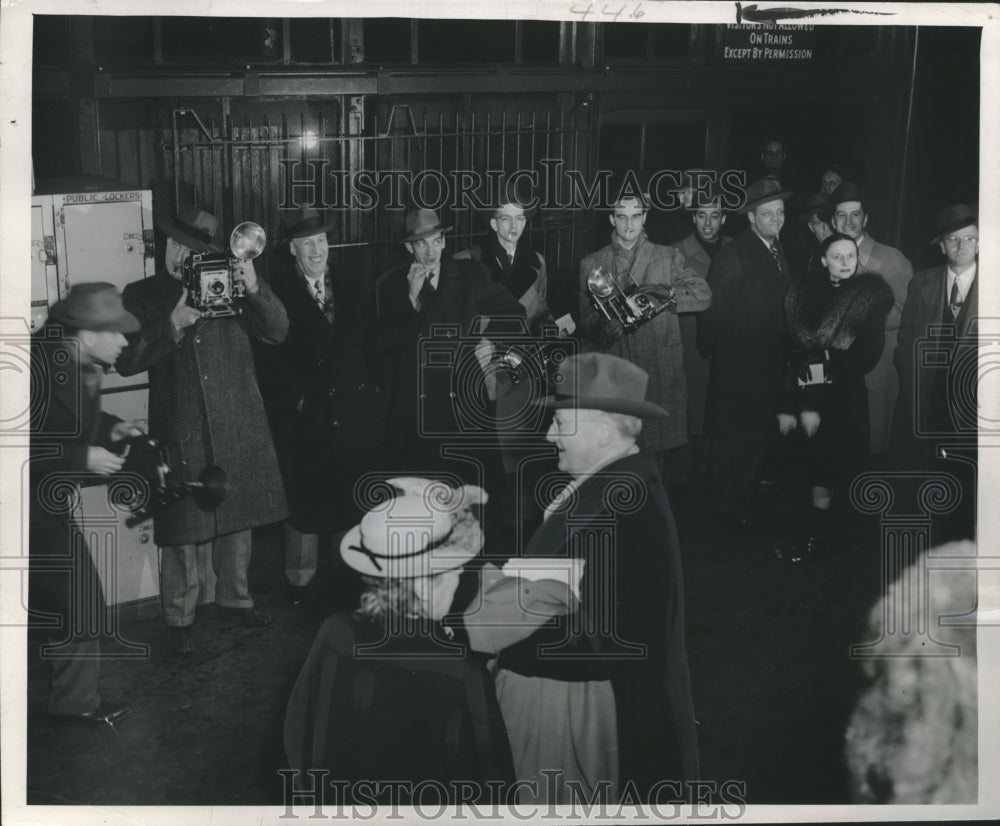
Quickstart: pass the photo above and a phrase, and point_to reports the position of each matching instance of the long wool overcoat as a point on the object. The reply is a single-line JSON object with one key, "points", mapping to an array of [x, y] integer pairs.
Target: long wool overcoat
{"points": [[656, 346], [205, 406], [743, 333]]}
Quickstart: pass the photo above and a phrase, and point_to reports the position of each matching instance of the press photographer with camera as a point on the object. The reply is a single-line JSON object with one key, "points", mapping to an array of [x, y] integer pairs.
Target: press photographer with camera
{"points": [[74, 443], [632, 267], [205, 408]]}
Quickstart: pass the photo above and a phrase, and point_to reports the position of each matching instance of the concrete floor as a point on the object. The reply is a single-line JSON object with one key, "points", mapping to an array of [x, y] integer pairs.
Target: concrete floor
{"points": [[768, 647]]}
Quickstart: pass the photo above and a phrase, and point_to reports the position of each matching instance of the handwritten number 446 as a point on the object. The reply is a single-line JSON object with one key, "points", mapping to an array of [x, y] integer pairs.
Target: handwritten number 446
{"points": [[609, 10]]}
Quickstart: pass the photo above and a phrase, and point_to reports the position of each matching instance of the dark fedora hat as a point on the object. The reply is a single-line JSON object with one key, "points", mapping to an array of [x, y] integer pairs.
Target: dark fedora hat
{"points": [[96, 306], [952, 218], [421, 223], [598, 381], [817, 204], [847, 191], [193, 228], [762, 191], [304, 222]]}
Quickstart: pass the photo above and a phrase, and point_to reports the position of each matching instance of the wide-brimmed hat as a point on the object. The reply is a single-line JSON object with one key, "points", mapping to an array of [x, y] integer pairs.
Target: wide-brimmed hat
{"points": [[816, 203], [847, 191], [598, 381], [193, 228], [952, 218], [421, 223], [762, 191], [427, 529], [95, 306], [304, 222]]}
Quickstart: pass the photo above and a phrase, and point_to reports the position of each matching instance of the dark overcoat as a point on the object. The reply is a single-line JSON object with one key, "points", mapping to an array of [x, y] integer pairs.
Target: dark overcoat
{"points": [[842, 325], [656, 346], [927, 405], [206, 408], [695, 365], [66, 420], [408, 711], [323, 398], [743, 333], [621, 523], [438, 397]]}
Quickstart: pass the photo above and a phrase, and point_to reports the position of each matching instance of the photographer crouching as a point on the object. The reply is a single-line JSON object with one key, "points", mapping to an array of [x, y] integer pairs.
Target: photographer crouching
{"points": [[198, 318], [72, 443]]}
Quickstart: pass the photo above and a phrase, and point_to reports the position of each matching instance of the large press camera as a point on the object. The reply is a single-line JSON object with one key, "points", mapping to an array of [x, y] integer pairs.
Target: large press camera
{"points": [[631, 305], [211, 285], [151, 460]]}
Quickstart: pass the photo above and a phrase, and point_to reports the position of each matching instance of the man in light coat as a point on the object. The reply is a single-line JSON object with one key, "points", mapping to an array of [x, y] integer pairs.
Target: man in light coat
{"points": [[698, 249], [655, 346], [205, 408], [850, 216]]}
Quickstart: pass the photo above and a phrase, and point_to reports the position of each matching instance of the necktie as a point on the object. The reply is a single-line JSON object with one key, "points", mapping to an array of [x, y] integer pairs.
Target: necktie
{"points": [[777, 258], [427, 292], [318, 292], [955, 301]]}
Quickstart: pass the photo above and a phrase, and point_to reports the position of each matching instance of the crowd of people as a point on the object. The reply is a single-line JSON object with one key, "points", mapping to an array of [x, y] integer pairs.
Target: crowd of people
{"points": [[452, 419]]}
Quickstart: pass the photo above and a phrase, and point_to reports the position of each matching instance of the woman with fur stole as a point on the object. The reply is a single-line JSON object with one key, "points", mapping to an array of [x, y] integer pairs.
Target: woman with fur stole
{"points": [[835, 318]]}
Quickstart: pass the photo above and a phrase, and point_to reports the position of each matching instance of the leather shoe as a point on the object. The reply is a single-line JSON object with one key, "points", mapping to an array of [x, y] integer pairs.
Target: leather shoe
{"points": [[252, 617], [181, 639], [106, 714]]}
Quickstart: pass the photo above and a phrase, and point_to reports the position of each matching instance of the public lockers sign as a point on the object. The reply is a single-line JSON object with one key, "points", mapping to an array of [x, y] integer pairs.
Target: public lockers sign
{"points": [[765, 43]]}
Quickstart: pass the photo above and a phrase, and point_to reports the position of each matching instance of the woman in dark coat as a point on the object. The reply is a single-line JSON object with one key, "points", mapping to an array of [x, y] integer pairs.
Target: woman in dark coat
{"points": [[835, 318], [386, 695]]}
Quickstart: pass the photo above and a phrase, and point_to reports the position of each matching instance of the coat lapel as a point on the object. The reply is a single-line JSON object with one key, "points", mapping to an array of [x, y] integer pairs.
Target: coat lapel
{"points": [[932, 288]]}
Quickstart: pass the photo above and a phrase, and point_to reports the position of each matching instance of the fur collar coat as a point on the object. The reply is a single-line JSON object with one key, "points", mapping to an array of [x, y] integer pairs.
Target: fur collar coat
{"points": [[822, 315]]}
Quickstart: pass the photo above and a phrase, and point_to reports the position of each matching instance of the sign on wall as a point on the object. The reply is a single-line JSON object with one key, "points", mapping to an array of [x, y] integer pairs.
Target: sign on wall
{"points": [[763, 43]]}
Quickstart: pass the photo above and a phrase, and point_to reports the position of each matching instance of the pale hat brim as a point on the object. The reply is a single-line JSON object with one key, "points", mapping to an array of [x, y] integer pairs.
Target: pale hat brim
{"points": [[463, 544]]}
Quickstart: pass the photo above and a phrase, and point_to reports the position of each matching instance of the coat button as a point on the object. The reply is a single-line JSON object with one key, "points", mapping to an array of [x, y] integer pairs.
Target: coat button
{"points": [[333, 391], [197, 339], [361, 386], [335, 423], [452, 395], [204, 378]]}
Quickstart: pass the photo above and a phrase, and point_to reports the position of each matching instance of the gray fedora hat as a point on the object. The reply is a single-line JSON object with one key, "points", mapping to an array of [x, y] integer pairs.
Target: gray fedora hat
{"points": [[762, 191], [598, 381]]}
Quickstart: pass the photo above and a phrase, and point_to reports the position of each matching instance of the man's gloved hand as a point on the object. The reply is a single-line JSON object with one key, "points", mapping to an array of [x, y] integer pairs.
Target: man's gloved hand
{"points": [[810, 422], [786, 423]]}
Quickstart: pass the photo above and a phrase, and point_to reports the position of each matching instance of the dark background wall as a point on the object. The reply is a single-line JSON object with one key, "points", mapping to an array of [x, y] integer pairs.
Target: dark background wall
{"points": [[205, 108]]}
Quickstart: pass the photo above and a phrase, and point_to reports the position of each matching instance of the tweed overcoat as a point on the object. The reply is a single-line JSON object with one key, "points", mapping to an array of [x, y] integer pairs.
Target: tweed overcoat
{"points": [[925, 403], [882, 379], [695, 365], [624, 507], [437, 395], [206, 408], [66, 420], [323, 398], [743, 333], [656, 346]]}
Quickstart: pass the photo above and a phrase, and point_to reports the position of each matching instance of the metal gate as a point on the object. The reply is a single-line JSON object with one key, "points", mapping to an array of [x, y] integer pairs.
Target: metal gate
{"points": [[247, 159]]}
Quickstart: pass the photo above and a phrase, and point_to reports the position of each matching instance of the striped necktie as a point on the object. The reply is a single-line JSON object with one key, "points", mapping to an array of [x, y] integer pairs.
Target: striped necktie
{"points": [[777, 258], [319, 293], [955, 301]]}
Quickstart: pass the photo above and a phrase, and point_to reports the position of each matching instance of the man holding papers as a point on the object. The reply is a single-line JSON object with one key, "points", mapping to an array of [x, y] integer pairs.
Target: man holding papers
{"points": [[588, 625]]}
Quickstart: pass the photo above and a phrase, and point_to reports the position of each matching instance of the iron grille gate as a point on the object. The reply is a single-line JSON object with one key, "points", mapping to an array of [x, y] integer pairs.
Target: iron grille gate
{"points": [[235, 155]]}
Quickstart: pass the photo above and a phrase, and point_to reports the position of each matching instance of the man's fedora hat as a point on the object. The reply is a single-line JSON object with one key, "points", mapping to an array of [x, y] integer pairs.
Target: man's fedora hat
{"points": [[427, 529], [598, 381], [95, 306], [303, 223], [422, 223], [762, 191], [194, 228], [847, 191], [817, 204], [952, 218]]}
